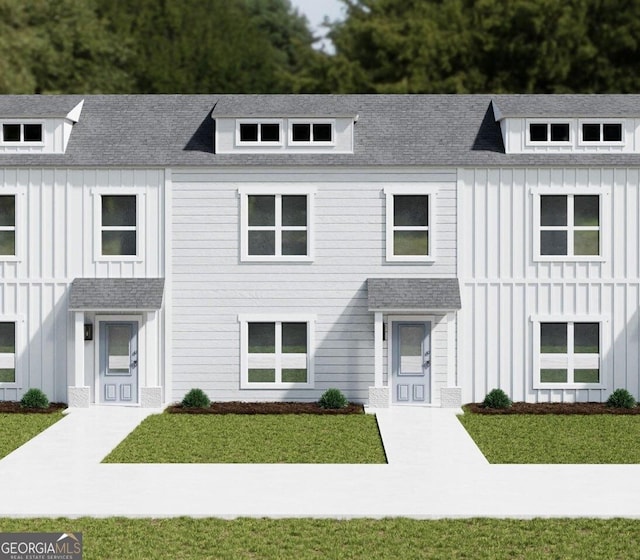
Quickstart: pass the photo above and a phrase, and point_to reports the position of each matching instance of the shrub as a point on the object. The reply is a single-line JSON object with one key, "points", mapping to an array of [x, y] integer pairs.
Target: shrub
{"points": [[496, 398], [333, 398], [34, 398], [196, 398], [621, 398]]}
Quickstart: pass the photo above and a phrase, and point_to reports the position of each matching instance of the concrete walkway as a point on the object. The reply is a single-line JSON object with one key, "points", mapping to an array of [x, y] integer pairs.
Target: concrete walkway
{"points": [[434, 471]]}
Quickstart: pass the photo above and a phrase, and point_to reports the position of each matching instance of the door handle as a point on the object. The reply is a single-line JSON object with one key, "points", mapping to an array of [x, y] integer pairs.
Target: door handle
{"points": [[427, 363], [134, 363]]}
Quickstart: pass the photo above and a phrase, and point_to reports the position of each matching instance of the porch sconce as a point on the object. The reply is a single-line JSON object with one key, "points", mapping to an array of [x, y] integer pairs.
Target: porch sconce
{"points": [[88, 331]]}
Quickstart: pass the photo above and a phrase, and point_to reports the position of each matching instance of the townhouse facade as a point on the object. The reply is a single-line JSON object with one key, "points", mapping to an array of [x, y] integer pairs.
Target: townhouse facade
{"points": [[407, 249]]}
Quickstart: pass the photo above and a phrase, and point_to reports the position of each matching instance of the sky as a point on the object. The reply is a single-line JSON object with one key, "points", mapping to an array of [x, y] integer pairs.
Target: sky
{"points": [[316, 10]]}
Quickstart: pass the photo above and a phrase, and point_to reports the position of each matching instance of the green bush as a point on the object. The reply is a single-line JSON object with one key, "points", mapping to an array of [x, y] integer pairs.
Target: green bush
{"points": [[196, 398], [34, 398], [621, 398], [333, 398], [496, 398]]}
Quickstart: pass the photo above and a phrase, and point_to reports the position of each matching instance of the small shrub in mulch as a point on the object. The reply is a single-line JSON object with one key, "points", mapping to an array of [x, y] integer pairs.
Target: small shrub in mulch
{"points": [[12, 407], [551, 408], [236, 407]]}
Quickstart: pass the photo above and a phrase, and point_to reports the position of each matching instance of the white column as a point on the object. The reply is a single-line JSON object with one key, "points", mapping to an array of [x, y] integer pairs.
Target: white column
{"points": [[378, 347], [79, 349], [151, 352], [452, 378]]}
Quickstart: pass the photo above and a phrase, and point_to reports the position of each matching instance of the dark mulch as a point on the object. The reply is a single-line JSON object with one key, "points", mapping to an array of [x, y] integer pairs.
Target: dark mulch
{"points": [[12, 407], [237, 407], [552, 408]]}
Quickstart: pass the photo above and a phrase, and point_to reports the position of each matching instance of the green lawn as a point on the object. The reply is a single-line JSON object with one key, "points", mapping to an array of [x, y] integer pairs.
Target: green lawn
{"points": [[17, 429], [549, 438], [302, 539], [287, 438]]}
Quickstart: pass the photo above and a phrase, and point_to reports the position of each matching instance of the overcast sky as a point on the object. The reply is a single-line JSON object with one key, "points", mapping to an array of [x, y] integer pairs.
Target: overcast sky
{"points": [[316, 10]]}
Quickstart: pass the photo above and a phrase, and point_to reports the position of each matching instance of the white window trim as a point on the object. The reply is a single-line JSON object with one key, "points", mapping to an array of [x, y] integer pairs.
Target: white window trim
{"points": [[603, 227], [415, 190], [593, 143], [20, 324], [21, 142], [18, 228], [311, 142], [549, 122], [259, 142], [277, 191], [245, 319], [140, 224], [604, 348]]}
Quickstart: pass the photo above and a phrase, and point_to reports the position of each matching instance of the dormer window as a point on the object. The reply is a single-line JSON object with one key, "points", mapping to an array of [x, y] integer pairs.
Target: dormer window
{"points": [[22, 133], [311, 132], [601, 132], [259, 132], [546, 132]]}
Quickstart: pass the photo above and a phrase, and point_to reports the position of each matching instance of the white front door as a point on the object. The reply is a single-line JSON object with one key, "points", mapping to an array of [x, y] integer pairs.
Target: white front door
{"points": [[118, 362], [411, 362]]}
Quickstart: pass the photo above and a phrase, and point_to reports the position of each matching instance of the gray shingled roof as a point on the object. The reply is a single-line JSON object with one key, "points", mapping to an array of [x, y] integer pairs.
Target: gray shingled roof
{"points": [[116, 294], [392, 130], [412, 294]]}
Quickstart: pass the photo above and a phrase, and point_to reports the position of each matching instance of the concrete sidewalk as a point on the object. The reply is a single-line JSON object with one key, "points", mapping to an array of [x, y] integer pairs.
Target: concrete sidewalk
{"points": [[434, 471]]}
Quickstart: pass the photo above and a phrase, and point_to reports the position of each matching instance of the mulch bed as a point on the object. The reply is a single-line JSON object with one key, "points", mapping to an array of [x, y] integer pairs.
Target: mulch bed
{"points": [[237, 407], [12, 407], [552, 408]]}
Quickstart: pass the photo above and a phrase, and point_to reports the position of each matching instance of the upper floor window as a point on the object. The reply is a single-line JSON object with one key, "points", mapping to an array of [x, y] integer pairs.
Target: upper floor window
{"points": [[7, 225], [549, 132], [409, 226], [601, 132], [119, 225], [569, 225], [305, 132], [276, 226], [259, 132], [7, 352], [22, 133]]}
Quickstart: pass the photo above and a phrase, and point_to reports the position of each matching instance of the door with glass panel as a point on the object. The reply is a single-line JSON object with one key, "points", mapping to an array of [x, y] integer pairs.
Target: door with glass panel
{"points": [[118, 362], [411, 362]]}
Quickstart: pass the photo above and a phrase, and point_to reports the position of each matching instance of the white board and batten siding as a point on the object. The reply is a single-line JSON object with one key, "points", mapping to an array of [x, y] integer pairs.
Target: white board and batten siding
{"points": [[504, 286], [56, 234], [212, 287]]}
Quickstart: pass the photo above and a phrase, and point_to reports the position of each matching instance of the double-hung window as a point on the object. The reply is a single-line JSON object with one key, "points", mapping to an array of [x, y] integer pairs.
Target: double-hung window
{"points": [[568, 226], [568, 353], [276, 226], [118, 229], [276, 352], [7, 352], [409, 226], [7, 226]]}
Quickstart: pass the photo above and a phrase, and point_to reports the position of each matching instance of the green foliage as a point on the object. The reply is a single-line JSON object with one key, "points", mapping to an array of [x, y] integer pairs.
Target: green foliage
{"points": [[621, 398], [34, 398], [496, 398], [17, 429], [333, 398], [196, 398], [240, 438]]}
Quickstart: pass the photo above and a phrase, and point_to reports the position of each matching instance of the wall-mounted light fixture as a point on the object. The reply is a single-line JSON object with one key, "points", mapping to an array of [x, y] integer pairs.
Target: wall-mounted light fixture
{"points": [[88, 331]]}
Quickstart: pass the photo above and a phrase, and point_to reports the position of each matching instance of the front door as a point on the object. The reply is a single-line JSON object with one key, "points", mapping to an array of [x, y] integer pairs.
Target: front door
{"points": [[119, 362], [411, 358]]}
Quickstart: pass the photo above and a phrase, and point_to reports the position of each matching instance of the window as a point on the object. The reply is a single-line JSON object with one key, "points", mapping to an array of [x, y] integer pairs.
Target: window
{"points": [[409, 235], [569, 225], [259, 132], [569, 353], [7, 225], [7, 352], [22, 133], [276, 353], [276, 226], [118, 226], [311, 132], [545, 132], [601, 132]]}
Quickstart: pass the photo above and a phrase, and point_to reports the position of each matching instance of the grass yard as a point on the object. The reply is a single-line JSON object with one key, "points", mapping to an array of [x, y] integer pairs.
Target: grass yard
{"points": [[231, 438], [308, 539], [17, 429], [549, 438]]}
